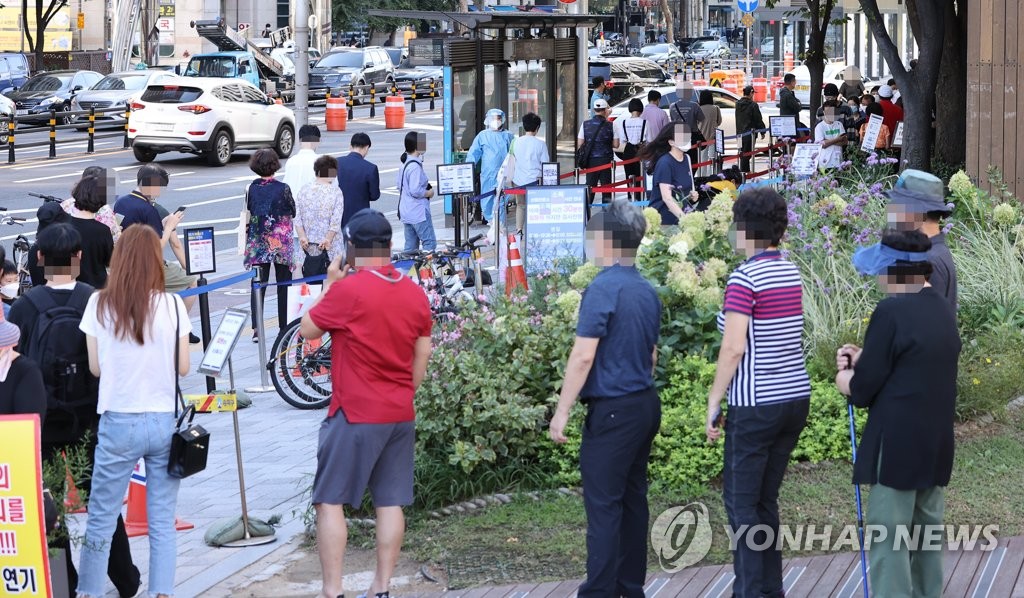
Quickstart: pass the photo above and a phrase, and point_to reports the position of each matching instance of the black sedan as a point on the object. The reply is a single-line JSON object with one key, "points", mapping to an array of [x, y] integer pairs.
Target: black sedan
{"points": [[48, 91]]}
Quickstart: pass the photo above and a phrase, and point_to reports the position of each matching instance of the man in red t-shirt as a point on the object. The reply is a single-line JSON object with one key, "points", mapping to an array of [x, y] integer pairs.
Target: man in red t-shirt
{"points": [[380, 324], [891, 112]]}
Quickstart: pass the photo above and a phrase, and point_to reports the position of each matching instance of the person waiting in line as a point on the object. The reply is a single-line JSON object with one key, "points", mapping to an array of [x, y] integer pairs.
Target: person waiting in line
{"points": [[97, 240], [597, 133], [319, 208], [367, 440], [415, 191], [789, 104], [10, 285], [21, 380], [711, 121], [298, 170], [672, 190], [905, 376], [687, 110], [762, 326], [489, 149], [653, 115], [141, 207], [600, 93], [630, 135], [48, 214], [269, 238], [529, 152], [831, 134], [611, 370], [105, 214], [133, 321], [358, 178], [748, 122]]}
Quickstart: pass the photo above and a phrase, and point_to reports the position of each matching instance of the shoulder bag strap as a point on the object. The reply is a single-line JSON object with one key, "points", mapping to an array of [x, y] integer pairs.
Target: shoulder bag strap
{"points": [[177, 342], [643, 128]]}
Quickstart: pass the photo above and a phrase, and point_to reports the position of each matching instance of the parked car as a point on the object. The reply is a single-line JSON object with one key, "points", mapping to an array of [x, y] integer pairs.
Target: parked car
{"points": [[14, 71], [404, 72], [116, 90], [833, 74], [208, 116], [627, 74], [663, 54], [286, 58], [707, 50], [353, 66], [6, 112], [50, 91], [768, 46], [725, 100]]}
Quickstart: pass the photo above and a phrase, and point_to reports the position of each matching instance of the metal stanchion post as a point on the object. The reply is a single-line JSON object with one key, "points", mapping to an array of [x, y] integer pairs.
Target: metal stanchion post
{"points": [[351, 100], [433, 93], [127, 117], [413, 109], [457, 217], [92, 131], [10, 140], [204, 323], [247, 540], [53, 134], [261, 343], [373, 104]]}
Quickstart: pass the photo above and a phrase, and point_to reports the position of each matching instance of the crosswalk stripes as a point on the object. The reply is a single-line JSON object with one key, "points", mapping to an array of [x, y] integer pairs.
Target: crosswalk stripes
{"points": [[988, 573]]}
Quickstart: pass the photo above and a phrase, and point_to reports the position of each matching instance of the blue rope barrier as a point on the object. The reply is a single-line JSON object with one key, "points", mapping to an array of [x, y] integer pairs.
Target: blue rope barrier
{"points": [[213, 286], [285, 283]]}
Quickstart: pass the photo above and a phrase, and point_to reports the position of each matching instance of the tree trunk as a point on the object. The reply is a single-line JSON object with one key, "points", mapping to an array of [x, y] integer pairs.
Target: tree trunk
{"points": [[666, 12], [40, 35], [917, 88], [951, 105], [27, 29]]}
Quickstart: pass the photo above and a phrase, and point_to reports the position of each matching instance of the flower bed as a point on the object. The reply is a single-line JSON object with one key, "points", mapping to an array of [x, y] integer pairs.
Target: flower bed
{"points": [[483, 409]]}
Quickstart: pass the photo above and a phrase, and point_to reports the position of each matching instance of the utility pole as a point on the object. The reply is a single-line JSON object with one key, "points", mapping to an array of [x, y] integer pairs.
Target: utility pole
{"points": [[302, 24]]}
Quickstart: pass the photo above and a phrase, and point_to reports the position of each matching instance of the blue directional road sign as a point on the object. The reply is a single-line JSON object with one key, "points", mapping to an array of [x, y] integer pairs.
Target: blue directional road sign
{"points": [[747, 5]]}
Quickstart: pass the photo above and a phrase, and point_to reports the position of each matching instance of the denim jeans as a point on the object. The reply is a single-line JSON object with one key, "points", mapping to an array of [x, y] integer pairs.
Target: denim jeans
{"points": [[758, 443], [124, 438], [421, 233]]}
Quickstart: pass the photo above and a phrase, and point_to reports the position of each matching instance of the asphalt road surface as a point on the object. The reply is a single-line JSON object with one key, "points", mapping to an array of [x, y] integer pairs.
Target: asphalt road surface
{"points": [[213, 195]]}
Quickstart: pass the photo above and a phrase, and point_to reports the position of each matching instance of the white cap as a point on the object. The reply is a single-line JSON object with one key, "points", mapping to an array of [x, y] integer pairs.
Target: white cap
{"points": [[601, 104], [885, 91]]}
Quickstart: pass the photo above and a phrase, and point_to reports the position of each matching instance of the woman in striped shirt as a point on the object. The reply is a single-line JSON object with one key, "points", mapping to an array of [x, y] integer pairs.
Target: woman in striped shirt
{"points": [[761, 365]]}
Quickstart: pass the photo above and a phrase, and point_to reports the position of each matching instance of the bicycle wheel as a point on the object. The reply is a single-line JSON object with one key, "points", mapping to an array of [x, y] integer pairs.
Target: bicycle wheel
{"points": [[301, 369]]}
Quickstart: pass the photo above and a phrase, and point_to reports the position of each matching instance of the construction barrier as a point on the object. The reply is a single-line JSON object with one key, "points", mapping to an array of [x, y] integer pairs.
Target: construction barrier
{"points": [[760, 89], [394, 112], [336, 116]]}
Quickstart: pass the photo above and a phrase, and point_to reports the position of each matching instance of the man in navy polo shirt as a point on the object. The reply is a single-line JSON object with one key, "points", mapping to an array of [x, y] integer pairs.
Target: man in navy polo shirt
{"points": [[611, 367]]}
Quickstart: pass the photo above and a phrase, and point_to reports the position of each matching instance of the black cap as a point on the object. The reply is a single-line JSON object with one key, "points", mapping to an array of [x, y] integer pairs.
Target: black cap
{"points": [[831, 91], [749, 89], [309, 133], [361, 140], [368, 229], [51, 213]]}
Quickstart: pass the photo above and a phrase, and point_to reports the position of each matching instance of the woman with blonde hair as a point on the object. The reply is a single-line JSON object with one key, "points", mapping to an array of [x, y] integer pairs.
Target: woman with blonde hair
{"points": [[137, 340]]}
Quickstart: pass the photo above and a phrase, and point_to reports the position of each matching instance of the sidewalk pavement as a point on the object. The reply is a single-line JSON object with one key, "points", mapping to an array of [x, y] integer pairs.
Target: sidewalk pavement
{"points": [[279, 458]]}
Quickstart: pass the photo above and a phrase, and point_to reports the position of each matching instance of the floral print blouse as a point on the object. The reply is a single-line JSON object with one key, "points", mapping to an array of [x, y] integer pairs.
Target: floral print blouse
{"points": [[105, 216], [269, 237], [319, 208]]}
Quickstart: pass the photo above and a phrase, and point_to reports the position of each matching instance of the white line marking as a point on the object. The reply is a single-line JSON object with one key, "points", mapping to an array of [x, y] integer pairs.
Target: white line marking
{"points": [[721, 585], [218, 200], [989, 577], [47, 178], [205, 185], [50, 164], [788, 585], [657, 585]]}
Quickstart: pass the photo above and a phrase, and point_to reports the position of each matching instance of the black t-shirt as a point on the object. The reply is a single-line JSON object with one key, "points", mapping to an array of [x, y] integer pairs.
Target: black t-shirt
{"points": [[22, 391], [97, 248]]}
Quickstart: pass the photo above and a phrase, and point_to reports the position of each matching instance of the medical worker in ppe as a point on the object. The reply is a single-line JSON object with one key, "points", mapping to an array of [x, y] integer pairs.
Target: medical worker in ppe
{"points": [[489, 149]]}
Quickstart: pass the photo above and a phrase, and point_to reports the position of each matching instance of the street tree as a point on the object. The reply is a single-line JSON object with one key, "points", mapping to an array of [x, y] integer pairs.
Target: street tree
{"points": [[819, 14], [917, 86], [45, 11], [670, 30], [951, 104]]}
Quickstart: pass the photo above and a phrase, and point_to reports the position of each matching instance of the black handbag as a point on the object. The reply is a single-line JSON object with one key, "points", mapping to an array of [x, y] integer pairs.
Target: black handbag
{"points": [[191, 446], [315, 265]]}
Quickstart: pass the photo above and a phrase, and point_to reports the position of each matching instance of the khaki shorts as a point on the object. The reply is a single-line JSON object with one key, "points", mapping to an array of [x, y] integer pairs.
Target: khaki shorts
{"points": [[175, 279]]}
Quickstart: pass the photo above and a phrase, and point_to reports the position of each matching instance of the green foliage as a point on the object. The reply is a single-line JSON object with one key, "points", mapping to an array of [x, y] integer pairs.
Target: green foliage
{"points": [[827, 434], [74, 463], [991, 367]]}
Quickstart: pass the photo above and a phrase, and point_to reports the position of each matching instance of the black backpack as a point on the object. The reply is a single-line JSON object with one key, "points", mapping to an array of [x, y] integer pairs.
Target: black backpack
{"points": [[58, 346]]}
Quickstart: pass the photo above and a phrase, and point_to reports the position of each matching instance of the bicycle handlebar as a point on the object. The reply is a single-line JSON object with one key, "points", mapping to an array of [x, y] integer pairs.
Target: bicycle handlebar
{"points": [[46, 198]]}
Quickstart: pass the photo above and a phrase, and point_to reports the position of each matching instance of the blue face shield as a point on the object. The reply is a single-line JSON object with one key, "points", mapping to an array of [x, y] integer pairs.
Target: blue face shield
{"points": [[876, 259]]}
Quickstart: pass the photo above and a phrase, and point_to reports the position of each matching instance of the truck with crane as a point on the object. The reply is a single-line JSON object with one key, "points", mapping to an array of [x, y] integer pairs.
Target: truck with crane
{"points": [[238, 57]]}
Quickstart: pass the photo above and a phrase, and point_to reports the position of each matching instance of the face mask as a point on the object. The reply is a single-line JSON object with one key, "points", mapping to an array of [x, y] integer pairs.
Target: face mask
{"points": [[495, 125], [9, 290]]}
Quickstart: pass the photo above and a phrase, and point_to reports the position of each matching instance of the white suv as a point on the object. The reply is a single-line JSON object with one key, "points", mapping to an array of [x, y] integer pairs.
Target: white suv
{"points": [[208, 116]]}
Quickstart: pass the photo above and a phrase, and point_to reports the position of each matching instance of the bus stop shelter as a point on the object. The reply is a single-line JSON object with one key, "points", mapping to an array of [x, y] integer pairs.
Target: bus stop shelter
{"points": [[518, 61]]}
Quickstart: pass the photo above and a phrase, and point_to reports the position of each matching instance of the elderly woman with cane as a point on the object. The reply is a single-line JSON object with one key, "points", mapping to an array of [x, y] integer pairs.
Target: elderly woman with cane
{"points": [[611, 367], [906, 377], [761, 366]]}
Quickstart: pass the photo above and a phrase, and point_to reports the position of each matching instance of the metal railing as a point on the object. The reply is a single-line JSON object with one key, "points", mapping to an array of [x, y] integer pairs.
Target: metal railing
{"points": [[413, 94], [10, 123]]}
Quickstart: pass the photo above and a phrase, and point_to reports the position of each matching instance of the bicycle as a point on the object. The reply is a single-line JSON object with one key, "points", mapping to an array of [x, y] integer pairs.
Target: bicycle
{"points": [[20, 252], [300, 369]]}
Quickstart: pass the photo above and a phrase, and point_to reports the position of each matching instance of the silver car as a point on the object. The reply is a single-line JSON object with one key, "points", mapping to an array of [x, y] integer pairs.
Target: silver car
{"points": [[116, 90]]}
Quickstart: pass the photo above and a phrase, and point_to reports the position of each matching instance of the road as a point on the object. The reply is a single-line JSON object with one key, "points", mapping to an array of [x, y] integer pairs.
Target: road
{"points": [[214, 195]]}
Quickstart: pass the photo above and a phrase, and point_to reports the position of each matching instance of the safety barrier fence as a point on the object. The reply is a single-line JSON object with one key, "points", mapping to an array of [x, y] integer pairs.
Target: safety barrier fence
{"points": [[413, 93], [9, 128]]}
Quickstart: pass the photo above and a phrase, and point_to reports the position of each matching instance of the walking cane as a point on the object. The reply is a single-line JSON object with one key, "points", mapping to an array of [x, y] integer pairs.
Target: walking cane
{"points": [[856, 488]]}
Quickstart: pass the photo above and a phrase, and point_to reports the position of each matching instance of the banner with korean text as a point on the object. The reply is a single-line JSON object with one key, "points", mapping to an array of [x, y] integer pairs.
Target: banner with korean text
{"points": [[24, 564]]}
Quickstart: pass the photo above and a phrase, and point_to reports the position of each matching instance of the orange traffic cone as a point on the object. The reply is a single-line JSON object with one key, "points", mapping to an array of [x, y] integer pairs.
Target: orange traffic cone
{"points": [[73, 502], [136, 522], [515, 275]]}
